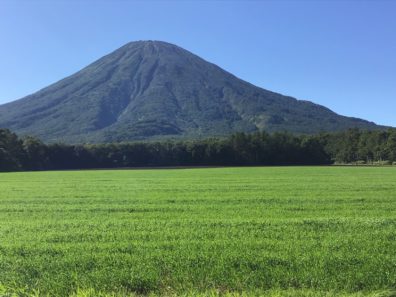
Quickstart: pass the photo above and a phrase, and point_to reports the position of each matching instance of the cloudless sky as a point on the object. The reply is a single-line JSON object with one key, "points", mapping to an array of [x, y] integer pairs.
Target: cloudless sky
{"points": [[341, 54]]}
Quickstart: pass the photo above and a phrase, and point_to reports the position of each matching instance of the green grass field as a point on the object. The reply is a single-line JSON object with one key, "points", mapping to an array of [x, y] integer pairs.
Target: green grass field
{"points": [[275, 231]]}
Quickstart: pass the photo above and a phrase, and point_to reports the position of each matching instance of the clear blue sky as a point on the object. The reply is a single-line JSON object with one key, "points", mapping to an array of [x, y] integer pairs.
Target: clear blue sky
{"points": [[341, 54]]}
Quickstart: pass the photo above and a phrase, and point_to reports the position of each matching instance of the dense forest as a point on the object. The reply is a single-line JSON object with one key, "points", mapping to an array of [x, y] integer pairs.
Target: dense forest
{"points": [[351, 146]]}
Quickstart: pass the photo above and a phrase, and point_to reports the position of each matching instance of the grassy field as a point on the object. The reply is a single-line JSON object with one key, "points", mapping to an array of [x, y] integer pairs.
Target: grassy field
{"points": [[275, 231]]}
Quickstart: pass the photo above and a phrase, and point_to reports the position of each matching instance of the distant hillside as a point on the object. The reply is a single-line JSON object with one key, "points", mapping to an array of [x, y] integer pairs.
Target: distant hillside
{"points": [[153, 89]]}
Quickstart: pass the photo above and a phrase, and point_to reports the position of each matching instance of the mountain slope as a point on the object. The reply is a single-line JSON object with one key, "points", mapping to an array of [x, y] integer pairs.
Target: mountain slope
{"points": [[153, 89]]}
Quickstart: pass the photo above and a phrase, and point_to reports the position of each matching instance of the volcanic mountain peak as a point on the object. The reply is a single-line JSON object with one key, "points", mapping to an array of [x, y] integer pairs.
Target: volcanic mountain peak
{"points": [[154, 89]]}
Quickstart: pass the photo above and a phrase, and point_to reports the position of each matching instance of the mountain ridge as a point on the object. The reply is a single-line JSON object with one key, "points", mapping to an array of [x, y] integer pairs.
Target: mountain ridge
{"points": [[154, 89]]}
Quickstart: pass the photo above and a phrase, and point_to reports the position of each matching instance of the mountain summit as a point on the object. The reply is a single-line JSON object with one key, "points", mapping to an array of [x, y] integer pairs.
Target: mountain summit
{"points": [[153, 89]]}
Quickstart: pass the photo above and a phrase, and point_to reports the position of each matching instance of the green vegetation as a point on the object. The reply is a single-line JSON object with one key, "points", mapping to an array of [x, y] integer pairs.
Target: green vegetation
{"points": [[352, 147], [260, 148], [238, 149], [275, 231]]}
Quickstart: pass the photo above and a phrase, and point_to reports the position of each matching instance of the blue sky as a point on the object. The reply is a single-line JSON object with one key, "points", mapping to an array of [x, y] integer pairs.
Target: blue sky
{"points": [[341, 54]]}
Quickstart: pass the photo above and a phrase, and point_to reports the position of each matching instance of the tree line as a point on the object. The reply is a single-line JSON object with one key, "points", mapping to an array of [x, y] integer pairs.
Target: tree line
{"points": [[240, 149]]}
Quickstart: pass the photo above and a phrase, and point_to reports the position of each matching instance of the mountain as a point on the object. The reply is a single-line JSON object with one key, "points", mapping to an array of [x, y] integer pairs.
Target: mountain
{"points": [[153, 89]]}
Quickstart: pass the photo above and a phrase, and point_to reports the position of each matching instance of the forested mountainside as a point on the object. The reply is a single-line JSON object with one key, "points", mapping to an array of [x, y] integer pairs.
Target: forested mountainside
{"points": [[157, 90]]}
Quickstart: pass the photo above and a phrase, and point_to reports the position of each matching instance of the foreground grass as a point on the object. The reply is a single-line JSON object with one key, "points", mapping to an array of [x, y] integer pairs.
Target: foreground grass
{"points": [[287, 231], [213, 293]]}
